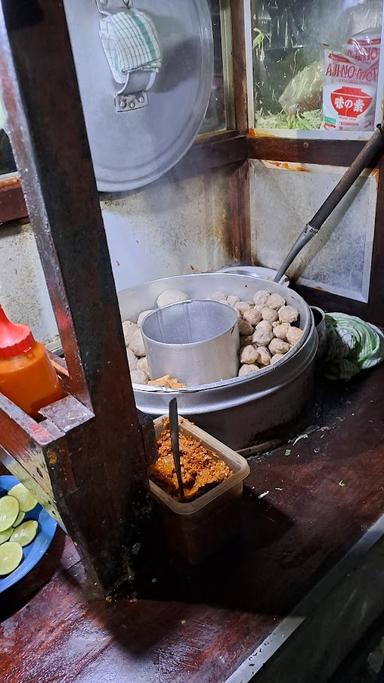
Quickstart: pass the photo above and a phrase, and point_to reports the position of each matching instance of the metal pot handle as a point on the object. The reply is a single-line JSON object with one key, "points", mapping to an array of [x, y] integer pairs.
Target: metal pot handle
{"points": [[102, 5]]}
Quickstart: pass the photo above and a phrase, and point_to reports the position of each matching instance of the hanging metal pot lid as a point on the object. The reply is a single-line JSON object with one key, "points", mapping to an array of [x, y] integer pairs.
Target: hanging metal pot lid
{"points": [[131, 148]]}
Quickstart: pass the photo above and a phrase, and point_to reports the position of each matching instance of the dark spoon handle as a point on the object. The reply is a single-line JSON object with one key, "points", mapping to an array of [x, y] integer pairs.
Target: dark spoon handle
{"points": [[174, 427]]}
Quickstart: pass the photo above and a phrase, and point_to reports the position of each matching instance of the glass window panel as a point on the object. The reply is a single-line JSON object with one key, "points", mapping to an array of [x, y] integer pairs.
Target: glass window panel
{"points": [[216, 119], [300, 83]]}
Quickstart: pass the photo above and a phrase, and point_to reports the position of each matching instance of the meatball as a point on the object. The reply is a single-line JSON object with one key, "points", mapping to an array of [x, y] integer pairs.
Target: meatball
{"points": [[294, 334], [242, 306], [232, 300], [264, 357], [139, 377], [280, 331], [132, 360], [275, 301], [247, 370], [269, 314], [252, 316], [261, 298], [263, 334], [142, 364], [245, 341], [171, 296], [129, 330], [249, 355], [288, 314], [137, 344], [245, 328], [278, 346]]}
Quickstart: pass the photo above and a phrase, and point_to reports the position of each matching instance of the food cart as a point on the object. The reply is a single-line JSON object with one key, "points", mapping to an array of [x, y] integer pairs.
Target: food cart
{"points": [[114, 207]]}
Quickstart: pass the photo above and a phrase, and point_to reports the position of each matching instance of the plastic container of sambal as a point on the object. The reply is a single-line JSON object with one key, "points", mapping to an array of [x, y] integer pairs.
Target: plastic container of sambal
{"points": [[196, 529]]}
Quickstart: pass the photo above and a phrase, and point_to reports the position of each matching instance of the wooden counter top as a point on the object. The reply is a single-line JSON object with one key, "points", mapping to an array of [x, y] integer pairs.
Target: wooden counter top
{"points": [[321, 494]]}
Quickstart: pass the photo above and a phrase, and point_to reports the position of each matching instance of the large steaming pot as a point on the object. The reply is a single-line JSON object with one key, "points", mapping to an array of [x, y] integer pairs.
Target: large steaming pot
{"points": [[239, 409]]}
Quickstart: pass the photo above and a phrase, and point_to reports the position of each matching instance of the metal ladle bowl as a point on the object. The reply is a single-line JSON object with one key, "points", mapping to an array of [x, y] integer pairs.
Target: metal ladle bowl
{"points": [[195, 342]]}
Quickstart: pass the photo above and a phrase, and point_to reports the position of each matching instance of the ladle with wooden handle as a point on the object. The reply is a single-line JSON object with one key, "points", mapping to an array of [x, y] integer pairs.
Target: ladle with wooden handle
{"points": [[362, 161]]}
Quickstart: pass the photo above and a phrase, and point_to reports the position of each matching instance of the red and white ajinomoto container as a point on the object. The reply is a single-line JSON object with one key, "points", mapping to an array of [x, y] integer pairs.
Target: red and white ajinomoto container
{"points": [[350, 83]]}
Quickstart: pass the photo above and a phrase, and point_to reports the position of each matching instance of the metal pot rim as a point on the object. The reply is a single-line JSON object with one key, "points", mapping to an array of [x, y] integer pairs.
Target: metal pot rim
{"points": [[178, 281]]}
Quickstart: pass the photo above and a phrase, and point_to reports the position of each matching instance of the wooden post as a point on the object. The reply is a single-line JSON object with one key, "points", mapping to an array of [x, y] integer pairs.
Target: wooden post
{"points": [[96, 467]]}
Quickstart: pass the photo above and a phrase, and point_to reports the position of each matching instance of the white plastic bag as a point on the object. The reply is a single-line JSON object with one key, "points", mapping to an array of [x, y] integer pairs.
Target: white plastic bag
{"points": [[303, 92]]}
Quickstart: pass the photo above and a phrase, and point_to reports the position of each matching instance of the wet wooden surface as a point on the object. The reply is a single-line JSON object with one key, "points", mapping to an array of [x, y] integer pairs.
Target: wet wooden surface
{"points": [[200, 624]]}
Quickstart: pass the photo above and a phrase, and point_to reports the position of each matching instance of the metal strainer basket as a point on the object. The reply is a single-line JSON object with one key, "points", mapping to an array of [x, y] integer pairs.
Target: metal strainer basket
{"points": [[195, 342]]}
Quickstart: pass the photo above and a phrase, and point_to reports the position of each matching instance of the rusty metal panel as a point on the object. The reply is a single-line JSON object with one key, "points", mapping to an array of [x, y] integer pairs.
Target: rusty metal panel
{"points": [[23, 290], [285, 195], [173, 227], [187, 220]]}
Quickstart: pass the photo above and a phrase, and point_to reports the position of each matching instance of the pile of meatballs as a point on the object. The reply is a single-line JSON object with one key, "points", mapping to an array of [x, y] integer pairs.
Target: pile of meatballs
{"points": [[268, 330]]}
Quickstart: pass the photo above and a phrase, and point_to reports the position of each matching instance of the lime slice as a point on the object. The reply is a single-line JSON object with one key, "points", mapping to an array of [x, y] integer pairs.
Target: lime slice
{"points": [[10, 557], [6, 535], [25, 533], [9, 509], [19, 519], [26, 500]]}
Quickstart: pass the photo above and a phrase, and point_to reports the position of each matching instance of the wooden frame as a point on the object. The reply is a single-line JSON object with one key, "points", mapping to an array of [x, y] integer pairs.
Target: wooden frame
{"points": [[89, 446], [80, 453], [78, 458], [12, 202], [67, 222]]}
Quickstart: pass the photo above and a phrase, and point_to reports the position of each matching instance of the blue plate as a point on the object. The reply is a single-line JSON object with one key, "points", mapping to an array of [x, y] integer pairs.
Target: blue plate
{"points": [[33, 552]]}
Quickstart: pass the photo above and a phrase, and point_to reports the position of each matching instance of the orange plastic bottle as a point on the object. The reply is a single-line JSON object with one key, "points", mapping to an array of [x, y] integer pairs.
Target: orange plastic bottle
{"points": [[27, 376]]}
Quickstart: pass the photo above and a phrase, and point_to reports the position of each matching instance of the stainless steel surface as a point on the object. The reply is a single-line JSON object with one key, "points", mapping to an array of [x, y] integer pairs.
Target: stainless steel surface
{"points": [[256, 271], [196, 342], [131, 102], [135, 147], [347, 590], [238, 409], [321, 329], [303, 239], [174, 429]]}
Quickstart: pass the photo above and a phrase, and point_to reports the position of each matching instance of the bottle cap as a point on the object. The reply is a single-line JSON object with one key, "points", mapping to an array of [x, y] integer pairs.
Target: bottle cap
{"points": [[14, 339]]}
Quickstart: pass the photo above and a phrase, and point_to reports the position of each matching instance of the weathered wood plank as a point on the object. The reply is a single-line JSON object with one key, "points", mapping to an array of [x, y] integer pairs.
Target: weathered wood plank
{"points": [[12, 202], [239, 228], [328, 152], [104, 458]]}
